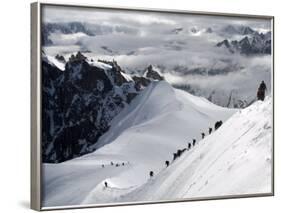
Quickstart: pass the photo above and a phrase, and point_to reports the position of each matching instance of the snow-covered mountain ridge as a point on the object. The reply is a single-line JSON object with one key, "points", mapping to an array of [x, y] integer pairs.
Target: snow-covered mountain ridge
{"points": [[146, 133], [234, 160]]}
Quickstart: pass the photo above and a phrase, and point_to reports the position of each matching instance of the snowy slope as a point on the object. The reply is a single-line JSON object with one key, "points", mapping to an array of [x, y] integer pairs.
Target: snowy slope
{"points": [[234, 160], [158, 122]]}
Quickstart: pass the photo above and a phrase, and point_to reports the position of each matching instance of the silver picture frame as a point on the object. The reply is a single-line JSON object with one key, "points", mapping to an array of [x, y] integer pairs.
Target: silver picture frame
{"points": [[36, 104]]}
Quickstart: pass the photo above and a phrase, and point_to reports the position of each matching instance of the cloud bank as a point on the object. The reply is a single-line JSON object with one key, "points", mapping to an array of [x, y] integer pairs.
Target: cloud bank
{"points": [[178, 44]]}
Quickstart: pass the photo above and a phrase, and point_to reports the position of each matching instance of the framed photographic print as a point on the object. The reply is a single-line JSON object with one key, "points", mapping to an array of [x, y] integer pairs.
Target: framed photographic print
{"points": [[138, 106]]}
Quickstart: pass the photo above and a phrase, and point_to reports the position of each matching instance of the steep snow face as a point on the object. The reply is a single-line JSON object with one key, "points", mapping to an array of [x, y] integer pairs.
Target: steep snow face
{"points": [[234, 160], [160, 115], [146, 133]]}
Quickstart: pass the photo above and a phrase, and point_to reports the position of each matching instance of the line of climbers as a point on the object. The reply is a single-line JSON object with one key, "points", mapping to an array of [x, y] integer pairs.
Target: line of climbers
{"points": [[176, 154], [189, 146], [260, 96], [116, 164]]}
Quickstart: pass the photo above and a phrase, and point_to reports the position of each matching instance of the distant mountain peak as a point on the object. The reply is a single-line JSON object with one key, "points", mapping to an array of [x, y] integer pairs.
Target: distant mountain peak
{"points": [[64, 28], [78, 57], [60, 58], [245, 40], [194, 30], [246, 30], [238, 30], [256, 43], [177, 30], [209, 30], [225, 42]]}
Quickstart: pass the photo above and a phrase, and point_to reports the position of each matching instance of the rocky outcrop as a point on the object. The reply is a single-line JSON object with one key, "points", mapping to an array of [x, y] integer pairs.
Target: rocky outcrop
{"points": [[80, 102]]}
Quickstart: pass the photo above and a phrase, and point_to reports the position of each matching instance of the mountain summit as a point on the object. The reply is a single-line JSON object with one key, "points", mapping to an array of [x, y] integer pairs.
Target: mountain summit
{"points": [[257, 43]]}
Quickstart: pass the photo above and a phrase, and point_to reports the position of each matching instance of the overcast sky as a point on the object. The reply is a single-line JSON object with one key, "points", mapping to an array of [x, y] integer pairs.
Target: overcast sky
{"points": [[141, 19]]}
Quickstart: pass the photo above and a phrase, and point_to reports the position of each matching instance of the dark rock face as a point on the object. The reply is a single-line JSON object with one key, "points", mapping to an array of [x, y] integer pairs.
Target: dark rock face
{"points": [[115, 72], [60, 58], [245, 45], [225, 43], [257, 43], [78, 105], [141, 82]]}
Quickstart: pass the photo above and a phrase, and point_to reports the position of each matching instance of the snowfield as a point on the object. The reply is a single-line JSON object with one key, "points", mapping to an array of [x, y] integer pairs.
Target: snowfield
{"points": [[235, 159]]}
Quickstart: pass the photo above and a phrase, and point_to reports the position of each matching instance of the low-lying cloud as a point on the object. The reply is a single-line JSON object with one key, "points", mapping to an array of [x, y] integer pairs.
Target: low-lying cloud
{"points": [[176, 43]]}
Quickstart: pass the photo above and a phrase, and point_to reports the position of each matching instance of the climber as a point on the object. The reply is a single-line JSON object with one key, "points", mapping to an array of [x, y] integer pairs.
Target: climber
{"points": [[261, 91], [203, 135], [194, 142]]}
